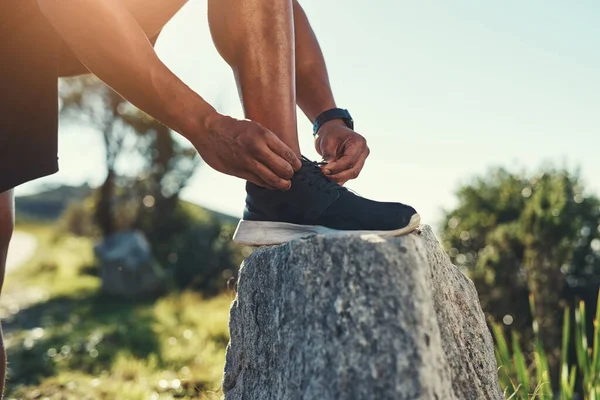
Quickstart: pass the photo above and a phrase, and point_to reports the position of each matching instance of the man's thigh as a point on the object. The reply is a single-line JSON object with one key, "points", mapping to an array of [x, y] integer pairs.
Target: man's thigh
{"points": [[152, 15], [7, 214]]}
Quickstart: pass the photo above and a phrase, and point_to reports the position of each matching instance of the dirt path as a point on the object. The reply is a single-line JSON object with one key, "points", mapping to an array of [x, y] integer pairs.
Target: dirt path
{"points": [[14, 296], [22, 247]]}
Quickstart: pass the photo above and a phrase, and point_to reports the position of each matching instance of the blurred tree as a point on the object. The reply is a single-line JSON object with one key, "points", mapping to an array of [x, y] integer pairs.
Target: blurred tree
{"points": [[146, 168], [518, 233]]}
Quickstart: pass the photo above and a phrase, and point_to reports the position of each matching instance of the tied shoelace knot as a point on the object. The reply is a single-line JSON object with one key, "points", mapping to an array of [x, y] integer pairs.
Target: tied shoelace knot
{"points": [[314, 176]]}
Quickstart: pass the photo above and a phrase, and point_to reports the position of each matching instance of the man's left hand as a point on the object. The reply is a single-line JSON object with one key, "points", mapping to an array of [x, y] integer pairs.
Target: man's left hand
{"points": [[344, 150]]}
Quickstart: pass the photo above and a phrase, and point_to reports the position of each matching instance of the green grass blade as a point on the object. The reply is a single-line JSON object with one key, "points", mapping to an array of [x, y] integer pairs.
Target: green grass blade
{"points": [[564, 368], [596, 351], [540, 358], [533, 314], [572, 380], [503, 353], [520, 364], [543, 388], [516, 392], [542, 370], [580, 339], [505, 370]]}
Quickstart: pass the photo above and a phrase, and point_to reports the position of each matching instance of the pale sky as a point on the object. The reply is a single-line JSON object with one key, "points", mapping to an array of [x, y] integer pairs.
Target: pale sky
{"points": [[442, 90]]}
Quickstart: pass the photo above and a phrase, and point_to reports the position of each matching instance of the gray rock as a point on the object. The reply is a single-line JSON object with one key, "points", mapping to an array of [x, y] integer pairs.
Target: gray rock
{"points": [[127, 267], [466, 339], [357, 318]]}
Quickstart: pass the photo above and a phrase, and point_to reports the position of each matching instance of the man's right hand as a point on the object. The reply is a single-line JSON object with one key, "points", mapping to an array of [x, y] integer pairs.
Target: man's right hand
{"points": [[247, 150]]}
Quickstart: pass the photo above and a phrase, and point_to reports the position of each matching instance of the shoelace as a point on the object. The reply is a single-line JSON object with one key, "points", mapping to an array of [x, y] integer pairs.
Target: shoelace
{"points": [[314, 175]]}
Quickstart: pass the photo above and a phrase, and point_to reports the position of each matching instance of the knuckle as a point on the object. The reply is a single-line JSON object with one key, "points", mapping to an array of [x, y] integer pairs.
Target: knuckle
{"points": [[249, 143], [264, 133], [273, 180], [288, 171], [248, 162], [288, 155], [256, 168]]}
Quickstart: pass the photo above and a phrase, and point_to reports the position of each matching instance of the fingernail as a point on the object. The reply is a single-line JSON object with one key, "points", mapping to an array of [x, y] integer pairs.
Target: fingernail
{"points": [[327, 172]]}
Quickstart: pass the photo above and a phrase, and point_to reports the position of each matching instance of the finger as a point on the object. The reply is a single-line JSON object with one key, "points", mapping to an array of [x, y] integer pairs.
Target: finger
{"points": [[275, 163], [351, 173], [347, 161], [345, 176], [283, 151], [328, 150], [270, 178]]}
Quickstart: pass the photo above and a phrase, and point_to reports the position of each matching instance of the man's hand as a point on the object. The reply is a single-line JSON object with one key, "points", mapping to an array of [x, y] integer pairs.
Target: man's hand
{"points": [[247, 150], [343, 149]]}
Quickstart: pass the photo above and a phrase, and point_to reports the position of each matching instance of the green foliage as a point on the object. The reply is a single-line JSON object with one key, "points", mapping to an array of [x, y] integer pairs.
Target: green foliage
{"points": [[514, 371], [516, 233], [72, 343], [204, 258], [78, 219], [197, 249]]}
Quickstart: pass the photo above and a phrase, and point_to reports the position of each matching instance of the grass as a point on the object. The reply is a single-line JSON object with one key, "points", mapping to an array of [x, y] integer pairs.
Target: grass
{"points": [[521, 380], [66, 341]]}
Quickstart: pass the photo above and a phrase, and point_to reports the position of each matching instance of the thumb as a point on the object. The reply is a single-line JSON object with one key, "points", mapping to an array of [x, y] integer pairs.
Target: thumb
{"points": [[329, 150]]}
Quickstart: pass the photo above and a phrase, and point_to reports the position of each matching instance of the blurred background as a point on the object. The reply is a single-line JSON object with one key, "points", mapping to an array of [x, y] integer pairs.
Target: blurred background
{"points": [[483, 116]]}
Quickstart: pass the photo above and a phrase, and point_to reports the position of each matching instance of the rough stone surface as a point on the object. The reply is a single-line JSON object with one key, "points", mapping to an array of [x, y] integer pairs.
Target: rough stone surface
{"points": [[127, 267], [466, 339], [357, 318]]}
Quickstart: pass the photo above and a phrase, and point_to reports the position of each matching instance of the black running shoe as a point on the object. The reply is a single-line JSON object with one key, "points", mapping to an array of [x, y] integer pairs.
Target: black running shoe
{"points": [[317, 205]]}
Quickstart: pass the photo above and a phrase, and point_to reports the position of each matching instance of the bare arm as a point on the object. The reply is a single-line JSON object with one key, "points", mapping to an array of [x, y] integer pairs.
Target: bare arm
{"points": [[112, 45], [110, 42], [313, 90], [344, 149]]}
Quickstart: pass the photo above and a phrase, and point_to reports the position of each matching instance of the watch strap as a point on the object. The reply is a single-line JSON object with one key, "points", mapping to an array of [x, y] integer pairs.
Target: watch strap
{"points": [[334, 113]]}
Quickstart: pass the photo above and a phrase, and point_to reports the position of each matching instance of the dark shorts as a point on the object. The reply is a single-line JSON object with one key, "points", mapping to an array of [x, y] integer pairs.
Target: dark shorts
{"points": [[32, 58]]}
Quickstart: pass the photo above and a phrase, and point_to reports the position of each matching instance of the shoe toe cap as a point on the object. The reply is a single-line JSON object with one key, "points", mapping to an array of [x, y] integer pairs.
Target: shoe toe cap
{"points": [[400, 215]]}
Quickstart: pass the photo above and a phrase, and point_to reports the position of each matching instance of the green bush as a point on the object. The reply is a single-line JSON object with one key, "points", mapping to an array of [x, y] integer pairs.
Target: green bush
{"points": [[516, 233], [78, 219], [203, 258]]}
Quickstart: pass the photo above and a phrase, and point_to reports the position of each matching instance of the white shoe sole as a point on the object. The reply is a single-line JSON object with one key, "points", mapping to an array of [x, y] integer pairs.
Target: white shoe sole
{"points": [[266, 233]]}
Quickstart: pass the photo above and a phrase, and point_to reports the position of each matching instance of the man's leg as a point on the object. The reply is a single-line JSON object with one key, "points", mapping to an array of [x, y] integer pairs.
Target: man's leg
{"points": [[256, 38], [7, 212]]}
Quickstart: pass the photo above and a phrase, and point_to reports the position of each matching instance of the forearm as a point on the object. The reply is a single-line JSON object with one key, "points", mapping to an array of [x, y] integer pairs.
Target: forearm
{"points": [[313, 91], [112, 45]]}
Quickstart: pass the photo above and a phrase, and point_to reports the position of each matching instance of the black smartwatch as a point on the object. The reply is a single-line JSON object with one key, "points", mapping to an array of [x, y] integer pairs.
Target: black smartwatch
{"points": [[334, 113]]}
